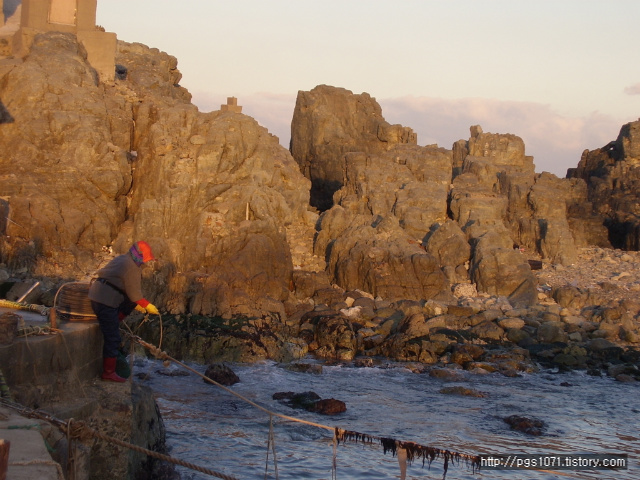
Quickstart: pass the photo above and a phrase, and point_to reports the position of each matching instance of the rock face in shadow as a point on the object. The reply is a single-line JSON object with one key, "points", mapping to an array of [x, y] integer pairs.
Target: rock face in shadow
{"points": [[612, 174]]}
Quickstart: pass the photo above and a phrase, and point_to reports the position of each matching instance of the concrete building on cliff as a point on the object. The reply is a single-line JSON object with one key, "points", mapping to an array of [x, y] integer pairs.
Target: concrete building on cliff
{"points": [[72, 16]]}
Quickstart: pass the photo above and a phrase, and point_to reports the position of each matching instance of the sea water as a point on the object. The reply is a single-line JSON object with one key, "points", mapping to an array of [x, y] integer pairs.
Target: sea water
{"points": [[212, 428]]}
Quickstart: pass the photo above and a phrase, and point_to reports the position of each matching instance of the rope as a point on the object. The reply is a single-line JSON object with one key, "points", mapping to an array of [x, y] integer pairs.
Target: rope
{"points": [[30, 330], [407, 451], [71, 458], [79, 430], [161, 355], [39, 462], [24, 306], [334, 466]]}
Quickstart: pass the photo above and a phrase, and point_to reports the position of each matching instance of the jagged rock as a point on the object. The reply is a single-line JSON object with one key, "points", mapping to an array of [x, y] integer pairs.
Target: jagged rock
{"points": [[306, 283], [612, 175], [408, 182], [572, 297], [449, 245], [68, 127], [500, 270], [222, 374], [212, 193], [333, 335], [329, 122], [488, 331], [380, 258], [551, 332]]}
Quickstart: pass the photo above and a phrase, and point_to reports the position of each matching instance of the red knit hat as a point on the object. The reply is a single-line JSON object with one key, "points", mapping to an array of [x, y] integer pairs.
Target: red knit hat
{"points": [[141, 252]]}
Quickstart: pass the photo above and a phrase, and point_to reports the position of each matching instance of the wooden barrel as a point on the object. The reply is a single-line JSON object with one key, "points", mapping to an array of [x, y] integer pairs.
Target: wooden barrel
{"points": [[72, 302]]}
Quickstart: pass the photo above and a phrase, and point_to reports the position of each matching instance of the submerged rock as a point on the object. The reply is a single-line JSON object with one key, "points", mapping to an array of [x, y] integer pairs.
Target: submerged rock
{"points": [[530, 426], [464, 391], [311, 402]]}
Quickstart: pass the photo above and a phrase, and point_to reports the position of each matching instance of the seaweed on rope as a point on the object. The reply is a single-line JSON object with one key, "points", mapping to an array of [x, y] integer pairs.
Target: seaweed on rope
{"points": [[410, 450], [413, 450]]}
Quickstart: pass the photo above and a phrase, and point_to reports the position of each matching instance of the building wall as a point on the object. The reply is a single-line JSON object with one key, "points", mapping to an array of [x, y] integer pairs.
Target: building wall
{"points": [[72, 16]]}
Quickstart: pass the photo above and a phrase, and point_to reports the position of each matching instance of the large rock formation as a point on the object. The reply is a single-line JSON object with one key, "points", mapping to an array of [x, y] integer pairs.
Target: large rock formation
{"points": [[612, 174], [485, 191], [65, 169], [329, 122], [89, 165]]}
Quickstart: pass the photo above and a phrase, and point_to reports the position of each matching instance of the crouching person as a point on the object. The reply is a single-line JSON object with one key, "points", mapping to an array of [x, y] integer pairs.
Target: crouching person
{"points": [[115, 294]]}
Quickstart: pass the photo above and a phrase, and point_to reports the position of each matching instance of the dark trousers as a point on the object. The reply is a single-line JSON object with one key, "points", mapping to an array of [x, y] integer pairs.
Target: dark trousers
{"points": [[109, 320]]}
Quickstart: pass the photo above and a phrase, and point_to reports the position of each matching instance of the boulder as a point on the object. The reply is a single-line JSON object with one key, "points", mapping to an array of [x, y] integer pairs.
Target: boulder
{"points": [[488, 331], [329, 406], [449, 245], [499, 270], [380, 258], [311, 402], [335, 337], [222, 374]]}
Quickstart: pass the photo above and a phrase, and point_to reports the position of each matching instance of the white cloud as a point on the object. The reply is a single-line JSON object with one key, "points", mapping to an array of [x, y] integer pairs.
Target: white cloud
{"points": [[633, 89], [556, 142]]}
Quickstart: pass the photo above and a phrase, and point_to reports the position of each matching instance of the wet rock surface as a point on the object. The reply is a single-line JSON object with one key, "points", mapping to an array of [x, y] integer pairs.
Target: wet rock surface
{"points": [[311, 402], [530, 426], [222, 374]]}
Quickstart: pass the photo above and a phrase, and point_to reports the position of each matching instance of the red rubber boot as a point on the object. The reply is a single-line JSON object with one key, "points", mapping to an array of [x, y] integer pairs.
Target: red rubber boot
{"points": [[109, 370]]}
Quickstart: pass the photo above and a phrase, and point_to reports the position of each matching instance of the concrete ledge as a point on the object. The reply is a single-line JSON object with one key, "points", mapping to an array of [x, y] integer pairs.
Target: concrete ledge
{"points": [[36, 367], [28, 455]]}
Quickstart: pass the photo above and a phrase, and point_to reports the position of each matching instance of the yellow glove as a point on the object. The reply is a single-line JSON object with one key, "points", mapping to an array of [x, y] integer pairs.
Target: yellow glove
{"points": [[140, 309], [151, 309]]}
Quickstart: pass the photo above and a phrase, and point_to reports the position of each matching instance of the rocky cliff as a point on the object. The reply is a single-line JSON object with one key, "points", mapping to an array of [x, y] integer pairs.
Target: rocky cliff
{"points": [[408, 221], [89, 166], [612, 174]]}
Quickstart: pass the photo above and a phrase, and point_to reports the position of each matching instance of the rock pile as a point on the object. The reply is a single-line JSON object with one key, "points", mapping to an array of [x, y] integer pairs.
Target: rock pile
{"points": [[576, 323]]}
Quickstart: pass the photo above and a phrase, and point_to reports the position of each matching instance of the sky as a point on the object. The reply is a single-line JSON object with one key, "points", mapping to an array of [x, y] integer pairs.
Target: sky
{"points": [[564, 75]]}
